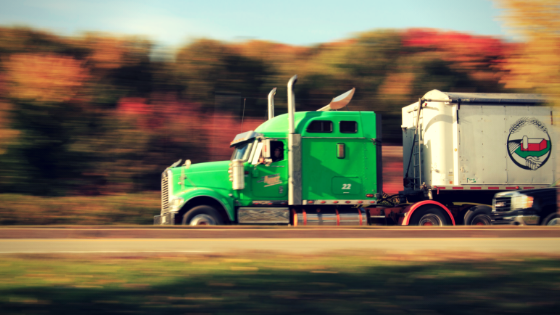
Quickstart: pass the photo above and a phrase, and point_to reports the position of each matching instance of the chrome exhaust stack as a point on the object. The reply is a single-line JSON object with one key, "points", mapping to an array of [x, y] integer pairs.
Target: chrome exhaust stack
{"points": [[271, 103], [294, 150], [291, 103]]}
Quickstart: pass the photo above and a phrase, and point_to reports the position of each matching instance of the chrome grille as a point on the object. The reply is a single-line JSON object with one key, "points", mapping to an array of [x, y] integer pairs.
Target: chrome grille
{"points": [[164, 192], [502, 204]]}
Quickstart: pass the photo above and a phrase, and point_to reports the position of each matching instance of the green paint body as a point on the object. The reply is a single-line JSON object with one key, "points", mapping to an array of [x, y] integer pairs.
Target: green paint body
{"points": [[325, 176]]}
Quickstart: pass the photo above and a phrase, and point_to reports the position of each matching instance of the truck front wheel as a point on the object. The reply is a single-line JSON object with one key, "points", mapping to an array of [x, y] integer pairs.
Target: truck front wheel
{"points": [[202, 215], [429, 216]]}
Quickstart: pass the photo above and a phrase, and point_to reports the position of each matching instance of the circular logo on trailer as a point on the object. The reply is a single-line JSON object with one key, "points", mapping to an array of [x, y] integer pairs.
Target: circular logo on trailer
{"points": [[529, 144]]}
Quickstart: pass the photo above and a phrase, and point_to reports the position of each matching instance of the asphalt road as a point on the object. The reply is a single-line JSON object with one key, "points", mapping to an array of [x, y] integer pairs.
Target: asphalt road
{"points": [[293, 245], [290, 240]]}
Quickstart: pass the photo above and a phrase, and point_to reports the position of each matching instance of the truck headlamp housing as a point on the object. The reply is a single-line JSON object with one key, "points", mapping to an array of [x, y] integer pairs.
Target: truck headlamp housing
{"points": [[175, 203], [521, 202]]}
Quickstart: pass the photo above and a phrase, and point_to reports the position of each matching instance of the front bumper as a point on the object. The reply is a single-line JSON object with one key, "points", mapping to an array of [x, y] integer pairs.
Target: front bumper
{"points": [[165, 219], [518, 217]]}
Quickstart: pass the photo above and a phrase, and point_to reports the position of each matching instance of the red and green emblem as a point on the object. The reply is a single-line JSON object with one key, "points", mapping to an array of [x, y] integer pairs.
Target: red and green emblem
{"points": [[529, 144]]}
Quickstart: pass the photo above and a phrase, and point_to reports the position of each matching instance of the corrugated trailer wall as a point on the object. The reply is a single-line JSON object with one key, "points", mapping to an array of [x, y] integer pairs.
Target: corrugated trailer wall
{"points": [[505, 145], [479, 140]]}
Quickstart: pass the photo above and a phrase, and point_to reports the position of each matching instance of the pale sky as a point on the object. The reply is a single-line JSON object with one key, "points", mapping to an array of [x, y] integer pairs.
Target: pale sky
{"points": [[172, 23]]}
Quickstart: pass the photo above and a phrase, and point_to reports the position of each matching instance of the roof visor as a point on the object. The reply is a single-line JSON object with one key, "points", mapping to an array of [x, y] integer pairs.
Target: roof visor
{"points": [[245, 136]]}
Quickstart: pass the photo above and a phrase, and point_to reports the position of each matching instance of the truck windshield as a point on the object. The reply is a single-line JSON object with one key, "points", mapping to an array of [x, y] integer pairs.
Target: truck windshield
{"points": [[242, 151]]}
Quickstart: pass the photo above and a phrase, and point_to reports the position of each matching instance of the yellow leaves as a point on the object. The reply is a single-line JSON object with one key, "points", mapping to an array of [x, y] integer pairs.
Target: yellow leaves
{"points": [[536, 64], [44, 77], [532, 18]]}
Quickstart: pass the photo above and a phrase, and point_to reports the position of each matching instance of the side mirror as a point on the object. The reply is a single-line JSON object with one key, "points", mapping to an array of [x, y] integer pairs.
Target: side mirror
{"points": [[266, 148], [257, 156]]}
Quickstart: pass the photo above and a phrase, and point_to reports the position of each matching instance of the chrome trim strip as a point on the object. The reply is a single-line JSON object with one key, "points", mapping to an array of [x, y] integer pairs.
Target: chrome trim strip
{"points": [[362, 138], [340, 202]]}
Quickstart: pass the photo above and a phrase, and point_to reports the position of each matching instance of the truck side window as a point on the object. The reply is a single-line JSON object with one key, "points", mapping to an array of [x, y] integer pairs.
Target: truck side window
{"points": [[320, 126], [348, 127], [277, 151]]}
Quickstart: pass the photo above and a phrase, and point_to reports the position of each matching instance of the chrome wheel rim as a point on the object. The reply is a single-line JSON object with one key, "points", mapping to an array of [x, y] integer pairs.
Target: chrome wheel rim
{"points": [[481, 219], [430, 219], [203, 219]]}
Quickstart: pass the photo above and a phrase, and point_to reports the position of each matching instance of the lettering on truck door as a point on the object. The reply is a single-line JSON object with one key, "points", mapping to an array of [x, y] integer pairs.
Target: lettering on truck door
{"points": [[269, 179]]}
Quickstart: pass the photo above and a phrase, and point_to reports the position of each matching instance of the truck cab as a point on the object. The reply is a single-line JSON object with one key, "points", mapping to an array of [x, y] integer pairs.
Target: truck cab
{"points": [[336, 162]]}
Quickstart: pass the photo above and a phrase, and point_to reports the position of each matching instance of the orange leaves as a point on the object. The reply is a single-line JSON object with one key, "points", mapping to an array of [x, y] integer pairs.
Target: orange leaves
{"points": [[7, 134], [107, 52], [45, 77], [397, 84]]}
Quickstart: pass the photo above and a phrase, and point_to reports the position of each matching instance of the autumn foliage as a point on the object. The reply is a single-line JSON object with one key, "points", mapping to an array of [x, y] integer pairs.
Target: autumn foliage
{"points": [[99, 115]]}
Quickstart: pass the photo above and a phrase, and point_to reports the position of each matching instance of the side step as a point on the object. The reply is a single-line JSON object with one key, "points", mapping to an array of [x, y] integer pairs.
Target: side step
{"points": [[264, 215]]}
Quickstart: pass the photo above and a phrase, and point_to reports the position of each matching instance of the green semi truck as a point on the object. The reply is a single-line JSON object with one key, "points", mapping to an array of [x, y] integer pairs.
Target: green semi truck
{"points": [[324, 167]]}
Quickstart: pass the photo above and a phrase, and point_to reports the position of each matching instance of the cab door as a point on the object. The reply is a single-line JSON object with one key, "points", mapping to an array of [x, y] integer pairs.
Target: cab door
{"points": [[333, 158], [269, 179]]}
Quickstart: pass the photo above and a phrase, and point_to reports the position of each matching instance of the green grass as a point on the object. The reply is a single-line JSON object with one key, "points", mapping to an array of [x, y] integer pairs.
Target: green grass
{"points": [[115, 209], [279, 284]]}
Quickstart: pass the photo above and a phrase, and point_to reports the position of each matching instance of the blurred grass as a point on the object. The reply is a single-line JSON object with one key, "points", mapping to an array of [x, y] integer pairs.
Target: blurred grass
{"points": [[279, 284], [115, 209]]}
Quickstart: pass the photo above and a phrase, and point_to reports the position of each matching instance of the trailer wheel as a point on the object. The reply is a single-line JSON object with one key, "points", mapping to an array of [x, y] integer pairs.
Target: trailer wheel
{"points": [[202, 215], [479, 215], [429, 216], [551, 219]]}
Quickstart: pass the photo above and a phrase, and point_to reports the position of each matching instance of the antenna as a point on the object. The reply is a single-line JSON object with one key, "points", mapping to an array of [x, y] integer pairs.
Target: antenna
{"points": [[243, 115]]}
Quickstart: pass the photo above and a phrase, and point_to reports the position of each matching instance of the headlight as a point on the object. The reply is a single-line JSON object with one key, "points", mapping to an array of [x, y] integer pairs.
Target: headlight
{"points": [[500, 204], [175, 203], [521, 202]]}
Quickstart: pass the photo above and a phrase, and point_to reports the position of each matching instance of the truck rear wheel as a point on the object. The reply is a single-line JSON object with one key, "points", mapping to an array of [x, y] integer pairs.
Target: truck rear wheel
{"points": [[429, 216], [479, 215], [202, 215]]}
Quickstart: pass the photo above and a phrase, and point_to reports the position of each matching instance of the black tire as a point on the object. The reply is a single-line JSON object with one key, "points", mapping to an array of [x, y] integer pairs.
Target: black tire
{"points": [[429, 216], [551, 219], [202, 215], [478, 215]]}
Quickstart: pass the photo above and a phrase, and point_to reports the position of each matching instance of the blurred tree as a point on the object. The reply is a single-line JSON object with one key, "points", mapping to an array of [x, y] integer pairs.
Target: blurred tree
{"points": [[207, 67], [535, 65], [56, 129], [62, 95]]}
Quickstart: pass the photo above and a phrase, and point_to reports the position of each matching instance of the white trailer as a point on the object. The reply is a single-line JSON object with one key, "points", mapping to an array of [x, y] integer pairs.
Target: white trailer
{"points": [[462, 148], [476, 141]]}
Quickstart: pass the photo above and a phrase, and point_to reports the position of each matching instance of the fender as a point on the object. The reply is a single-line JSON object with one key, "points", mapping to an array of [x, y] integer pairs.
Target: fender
{"points": [[417, 205], [219, 195]]}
